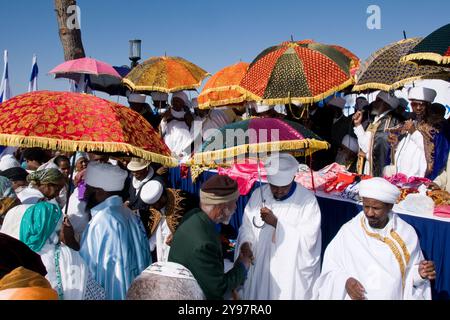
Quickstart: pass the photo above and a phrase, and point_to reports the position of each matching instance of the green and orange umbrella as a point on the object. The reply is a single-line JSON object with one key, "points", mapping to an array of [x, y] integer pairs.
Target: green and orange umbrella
{"points": [[222, 88], [298, 72], [165, 74], [72, 122], [433, 49]]}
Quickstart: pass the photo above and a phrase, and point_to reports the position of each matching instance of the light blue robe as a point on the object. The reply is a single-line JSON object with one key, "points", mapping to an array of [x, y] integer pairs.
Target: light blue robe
{"points": [[115, 247]]}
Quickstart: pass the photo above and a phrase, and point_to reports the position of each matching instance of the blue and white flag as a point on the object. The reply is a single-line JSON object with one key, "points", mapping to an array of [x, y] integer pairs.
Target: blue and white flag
{"points": [[5, 91], [33, 85]]}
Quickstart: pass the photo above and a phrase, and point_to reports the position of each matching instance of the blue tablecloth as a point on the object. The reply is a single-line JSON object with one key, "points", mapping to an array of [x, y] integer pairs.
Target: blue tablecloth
{"points": [[434, 235]]}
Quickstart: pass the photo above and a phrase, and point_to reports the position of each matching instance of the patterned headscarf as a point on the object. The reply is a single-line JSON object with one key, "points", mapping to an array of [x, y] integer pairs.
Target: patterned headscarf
{"points": [[38, 224], [45, 176], [7, 195]]}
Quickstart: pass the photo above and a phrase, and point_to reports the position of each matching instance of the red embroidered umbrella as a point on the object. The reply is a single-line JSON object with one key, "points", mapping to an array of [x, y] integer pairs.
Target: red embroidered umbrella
{"points": [[78, 122], [297, 72]]}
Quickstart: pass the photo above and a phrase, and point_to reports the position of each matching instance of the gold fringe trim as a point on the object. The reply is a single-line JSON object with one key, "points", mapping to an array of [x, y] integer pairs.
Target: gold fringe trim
{"points": [[208, 158], [398, 84], [136, 88], [219, 103], [304, 100], [436, 57], [88, 146]]}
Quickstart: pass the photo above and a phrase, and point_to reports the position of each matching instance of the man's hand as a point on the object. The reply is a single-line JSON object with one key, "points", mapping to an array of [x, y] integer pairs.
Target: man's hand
{"points": [[246, 255], [126, 204], [168, 116], [268, 217], [427, 270], [67, 235], [162, 171], [169, 239], [409, 127], [392, 139], [357, 118], [355, 289]]}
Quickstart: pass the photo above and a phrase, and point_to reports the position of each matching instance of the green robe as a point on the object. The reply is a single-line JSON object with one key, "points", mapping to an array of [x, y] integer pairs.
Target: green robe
{"points": [[196, 245]]}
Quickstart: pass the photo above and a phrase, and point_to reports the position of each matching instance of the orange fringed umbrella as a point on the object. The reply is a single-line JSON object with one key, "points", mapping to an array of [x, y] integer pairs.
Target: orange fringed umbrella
{"points": [[220, 89], [78, 122], [165, 74]]}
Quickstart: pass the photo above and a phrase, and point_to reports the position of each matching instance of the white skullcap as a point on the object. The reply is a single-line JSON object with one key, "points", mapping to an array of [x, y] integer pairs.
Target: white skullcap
{"points": [[351, 143], [8, 161], [281, 169], [136, 98], [183, 96], [379, 189], [160, 96], [260, 108], [105, 176], [391, 100], [422, 94], [170, 269], [151, 192]]}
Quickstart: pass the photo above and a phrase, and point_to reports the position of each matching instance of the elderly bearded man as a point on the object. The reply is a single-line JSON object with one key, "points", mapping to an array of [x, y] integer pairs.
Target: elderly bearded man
{"points": [[376, 255]]}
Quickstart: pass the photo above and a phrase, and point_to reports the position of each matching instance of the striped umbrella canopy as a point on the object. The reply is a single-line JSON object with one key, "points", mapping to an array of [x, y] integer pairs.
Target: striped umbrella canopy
{"points": [[255, 138], [221, 88], [384, 71], [298, 73], [165, 74], [433, 49], [72, 122]]}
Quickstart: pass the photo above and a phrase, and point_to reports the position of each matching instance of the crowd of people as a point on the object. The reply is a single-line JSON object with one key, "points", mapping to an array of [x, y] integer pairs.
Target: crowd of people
{"points": [[88, 226]]}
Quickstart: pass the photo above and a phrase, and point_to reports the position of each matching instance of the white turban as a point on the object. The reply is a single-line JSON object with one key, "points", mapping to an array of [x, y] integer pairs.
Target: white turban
{"points": [[260, 108], [151, 192], [350, 143], [105, 176], [422, 94], [391, 100], [183, 96], [8, 162], [78, 156], [160, 96], [136, 98], [281, 169], [379, 189]]}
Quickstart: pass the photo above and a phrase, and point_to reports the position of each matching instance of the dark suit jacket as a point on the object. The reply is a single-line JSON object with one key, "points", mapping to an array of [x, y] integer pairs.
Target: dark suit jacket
{"points": [[196, 245]]}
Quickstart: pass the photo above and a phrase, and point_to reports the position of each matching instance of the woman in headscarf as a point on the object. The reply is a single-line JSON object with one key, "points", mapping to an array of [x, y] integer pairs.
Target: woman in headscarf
{"points": [[8, 198], [66, 270]]}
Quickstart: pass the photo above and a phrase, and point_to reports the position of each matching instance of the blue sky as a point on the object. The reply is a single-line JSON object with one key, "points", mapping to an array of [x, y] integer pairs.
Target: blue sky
{"points": [[210, 33]]}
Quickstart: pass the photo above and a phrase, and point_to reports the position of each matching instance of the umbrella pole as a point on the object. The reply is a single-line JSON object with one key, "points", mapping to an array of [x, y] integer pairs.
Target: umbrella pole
{"points": [[72, 168]]}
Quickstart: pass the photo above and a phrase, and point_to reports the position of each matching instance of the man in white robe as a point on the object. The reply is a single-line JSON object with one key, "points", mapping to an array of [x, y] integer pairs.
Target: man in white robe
{"points": [[287, 248], [177, 127], [114, 244], [376, 255]]}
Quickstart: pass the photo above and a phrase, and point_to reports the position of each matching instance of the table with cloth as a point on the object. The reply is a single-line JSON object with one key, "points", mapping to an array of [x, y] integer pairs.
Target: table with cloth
{"points": [[433, 233]]}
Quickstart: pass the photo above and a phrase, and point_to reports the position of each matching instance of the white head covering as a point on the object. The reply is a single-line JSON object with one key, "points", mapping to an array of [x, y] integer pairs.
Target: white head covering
{"points": [[351, 143], [422, 94], [78, 156], [8, 161], [183, 96], [160, 96], [138, 164], [105, 176], [260, 108], [137, 98], [170, 269], [281, 169], [379, 189], [391, 100], [151, 192]]}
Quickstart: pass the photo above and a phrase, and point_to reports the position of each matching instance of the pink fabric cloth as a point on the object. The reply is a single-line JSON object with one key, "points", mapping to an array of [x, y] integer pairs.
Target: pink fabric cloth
{"points": [[402, 181], [322, 177], [245, 175], [442, 211]]}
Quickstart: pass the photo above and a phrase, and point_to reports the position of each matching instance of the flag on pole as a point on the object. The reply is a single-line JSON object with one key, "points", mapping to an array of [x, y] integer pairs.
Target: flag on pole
{"points": [[5, 91], [33, 85]]}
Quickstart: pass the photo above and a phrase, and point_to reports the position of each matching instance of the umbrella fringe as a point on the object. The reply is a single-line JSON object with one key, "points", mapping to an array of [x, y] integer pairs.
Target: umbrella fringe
{"points": [[88, 146], [221, 103], [137, 88], [303, 100], [439, 59], [209, 157]]}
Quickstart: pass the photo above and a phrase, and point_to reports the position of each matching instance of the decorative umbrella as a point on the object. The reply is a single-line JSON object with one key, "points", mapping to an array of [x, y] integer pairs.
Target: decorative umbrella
{"points": [[297, 72], [221, 88], [165, 74], [384, 71], [253, 137], [433, 49], [78, 122]]}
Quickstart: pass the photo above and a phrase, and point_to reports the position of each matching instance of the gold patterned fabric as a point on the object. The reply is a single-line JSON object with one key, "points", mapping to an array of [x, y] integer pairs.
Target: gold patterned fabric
{"points": [[79, 122], [175, 209]]}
